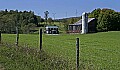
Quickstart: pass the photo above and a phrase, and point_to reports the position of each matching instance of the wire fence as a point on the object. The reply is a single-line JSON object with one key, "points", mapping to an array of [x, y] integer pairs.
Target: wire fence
{"points": [[49, 44], [94, 54]]}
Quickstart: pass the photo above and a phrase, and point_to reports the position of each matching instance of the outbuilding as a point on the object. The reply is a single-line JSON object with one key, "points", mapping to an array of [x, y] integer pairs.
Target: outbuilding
{"points": [[52, 30], [77, 27], [83, 26]]}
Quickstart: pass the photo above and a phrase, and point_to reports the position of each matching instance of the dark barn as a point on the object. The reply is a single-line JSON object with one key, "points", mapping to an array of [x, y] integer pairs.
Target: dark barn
{"points": [[77, 27]]}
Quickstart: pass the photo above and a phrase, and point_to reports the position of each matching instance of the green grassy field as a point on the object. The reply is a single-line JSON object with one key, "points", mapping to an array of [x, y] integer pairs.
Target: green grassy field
{"points": [[99, 51], [27, 58]]}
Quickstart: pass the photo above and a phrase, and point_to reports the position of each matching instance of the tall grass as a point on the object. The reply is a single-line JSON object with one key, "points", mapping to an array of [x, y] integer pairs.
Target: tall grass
{"points": [[26, 58]]}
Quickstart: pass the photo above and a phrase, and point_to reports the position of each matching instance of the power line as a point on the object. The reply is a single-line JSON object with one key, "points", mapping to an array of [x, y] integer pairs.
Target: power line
{"points": [[54, 15], [66, 14], [76, 12]]}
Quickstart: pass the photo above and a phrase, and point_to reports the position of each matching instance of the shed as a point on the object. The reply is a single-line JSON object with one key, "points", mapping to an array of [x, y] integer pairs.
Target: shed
{"points": [[52, 30]]}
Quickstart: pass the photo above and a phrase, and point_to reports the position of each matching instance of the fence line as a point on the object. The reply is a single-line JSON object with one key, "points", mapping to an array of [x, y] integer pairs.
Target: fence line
{"points": [[40, 37], [95, 57]]}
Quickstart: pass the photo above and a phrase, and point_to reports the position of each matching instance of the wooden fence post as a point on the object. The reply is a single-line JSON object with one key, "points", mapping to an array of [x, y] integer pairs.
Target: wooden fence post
{"points": [[17, 36], [40, 38], [0, 36], [77, 53]]}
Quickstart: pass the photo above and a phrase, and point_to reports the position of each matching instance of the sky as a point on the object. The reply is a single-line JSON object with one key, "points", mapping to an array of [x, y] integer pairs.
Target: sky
{"points": [[61, 8]]}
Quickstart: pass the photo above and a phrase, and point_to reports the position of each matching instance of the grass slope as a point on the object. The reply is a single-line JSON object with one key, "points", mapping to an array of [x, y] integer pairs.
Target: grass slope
{"points": [[97, 51]]}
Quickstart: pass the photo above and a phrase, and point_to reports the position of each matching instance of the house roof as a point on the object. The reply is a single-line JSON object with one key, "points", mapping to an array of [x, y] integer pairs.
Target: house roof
{"points": [[80, 21], [51, 27]]}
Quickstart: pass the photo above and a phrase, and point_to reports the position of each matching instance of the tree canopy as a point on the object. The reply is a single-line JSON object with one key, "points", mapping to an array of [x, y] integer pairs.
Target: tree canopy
{"points": [[12, 18], [107, 19]]}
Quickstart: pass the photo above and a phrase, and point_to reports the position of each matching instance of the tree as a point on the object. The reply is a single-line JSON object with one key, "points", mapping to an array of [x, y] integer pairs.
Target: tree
{"points": [[65, 23], [50, 20], [95, 13], [42, 20], [115, 21], [71, 21], [10, 19], [103, 22], [108, 20], [46, 16], [6, 10], [26, 29], [66, 27]]}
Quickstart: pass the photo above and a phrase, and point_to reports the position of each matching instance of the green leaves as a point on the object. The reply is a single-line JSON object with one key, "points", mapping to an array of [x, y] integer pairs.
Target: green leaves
{"points": [[108, 19], [10, 19]]}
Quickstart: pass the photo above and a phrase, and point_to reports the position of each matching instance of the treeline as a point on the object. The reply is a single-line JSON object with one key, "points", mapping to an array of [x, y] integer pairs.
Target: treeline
{"points": [[24, 20], [107, 19], [70, 20]]}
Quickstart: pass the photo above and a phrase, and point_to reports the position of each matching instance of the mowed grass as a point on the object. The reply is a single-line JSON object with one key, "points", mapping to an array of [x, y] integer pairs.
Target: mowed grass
{"points": [[97, 51]]}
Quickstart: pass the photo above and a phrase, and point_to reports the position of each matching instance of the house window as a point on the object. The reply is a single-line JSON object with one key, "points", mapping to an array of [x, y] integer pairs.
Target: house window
{"points": [[76, 27], [70, 27], [73, 27]]}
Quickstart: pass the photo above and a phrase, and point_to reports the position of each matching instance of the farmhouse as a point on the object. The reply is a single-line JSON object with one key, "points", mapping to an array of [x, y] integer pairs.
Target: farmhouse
{"points": [[83, 26], [52, 30]]}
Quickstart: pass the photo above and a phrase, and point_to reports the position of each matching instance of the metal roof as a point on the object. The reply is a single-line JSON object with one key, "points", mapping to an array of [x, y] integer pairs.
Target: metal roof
{"points": [[80, 21], [51, 26]]}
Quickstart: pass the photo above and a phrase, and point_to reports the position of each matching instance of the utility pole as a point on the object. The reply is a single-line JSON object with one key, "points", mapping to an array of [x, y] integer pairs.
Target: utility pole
{"points": [[54, 16], [76, 12], [66, 14]]}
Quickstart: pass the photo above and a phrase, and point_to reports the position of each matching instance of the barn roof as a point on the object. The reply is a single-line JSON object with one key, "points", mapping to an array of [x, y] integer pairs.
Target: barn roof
{"points": [[80, 21]]}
